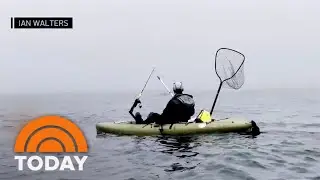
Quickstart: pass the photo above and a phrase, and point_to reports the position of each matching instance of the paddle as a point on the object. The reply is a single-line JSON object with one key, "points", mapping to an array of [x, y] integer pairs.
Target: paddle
{"points": [[225, 60], [165, 86]]}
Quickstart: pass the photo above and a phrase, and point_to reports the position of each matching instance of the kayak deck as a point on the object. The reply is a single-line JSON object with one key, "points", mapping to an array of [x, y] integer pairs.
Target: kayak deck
{"points": [[216, 126]]}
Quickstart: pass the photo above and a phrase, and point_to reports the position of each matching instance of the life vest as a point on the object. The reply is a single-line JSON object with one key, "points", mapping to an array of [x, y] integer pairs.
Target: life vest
{"points": [[187, 103], [179, 109]]}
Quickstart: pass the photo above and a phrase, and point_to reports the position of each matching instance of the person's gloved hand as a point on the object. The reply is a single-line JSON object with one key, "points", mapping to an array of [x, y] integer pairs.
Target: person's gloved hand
{"points": [[136, 102]]}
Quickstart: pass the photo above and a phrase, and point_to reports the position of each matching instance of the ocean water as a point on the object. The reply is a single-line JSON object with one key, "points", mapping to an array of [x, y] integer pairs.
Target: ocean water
{"points": [[288, 148]]}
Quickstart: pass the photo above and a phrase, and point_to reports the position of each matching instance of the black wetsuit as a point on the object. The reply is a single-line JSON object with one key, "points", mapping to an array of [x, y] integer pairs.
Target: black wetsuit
{"points": [[180, 108]]}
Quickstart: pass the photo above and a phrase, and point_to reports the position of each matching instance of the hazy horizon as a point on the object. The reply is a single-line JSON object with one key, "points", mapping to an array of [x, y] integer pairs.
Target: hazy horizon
{"points": [[114, 44]]}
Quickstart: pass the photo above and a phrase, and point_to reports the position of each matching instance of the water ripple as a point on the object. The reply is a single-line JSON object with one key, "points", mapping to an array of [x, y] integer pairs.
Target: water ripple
{"points": [[288, 148]]}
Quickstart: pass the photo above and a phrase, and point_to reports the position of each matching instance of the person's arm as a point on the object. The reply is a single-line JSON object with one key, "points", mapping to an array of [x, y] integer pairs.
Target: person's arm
{"points": [[136, 102]]}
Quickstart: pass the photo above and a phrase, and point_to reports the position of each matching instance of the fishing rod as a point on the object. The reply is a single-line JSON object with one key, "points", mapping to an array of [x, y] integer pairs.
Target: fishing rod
{"points": [[140, 94], [165, 86], [137, 101]]}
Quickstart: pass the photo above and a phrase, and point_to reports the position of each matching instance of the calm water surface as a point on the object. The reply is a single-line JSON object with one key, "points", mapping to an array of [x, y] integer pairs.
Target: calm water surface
{"points": [[288, 148]]}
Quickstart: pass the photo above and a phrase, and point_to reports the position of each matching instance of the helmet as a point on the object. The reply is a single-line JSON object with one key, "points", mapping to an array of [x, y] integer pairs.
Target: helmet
{"points": [[177, 87]]}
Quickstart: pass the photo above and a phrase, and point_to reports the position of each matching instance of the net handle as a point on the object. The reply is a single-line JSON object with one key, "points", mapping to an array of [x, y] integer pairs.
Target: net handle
{"points": [[221, 81], [215, 63]]}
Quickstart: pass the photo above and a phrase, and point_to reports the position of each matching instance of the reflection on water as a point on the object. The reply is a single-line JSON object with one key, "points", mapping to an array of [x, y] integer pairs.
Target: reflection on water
{"points": [[178, 151], [182, 148]]}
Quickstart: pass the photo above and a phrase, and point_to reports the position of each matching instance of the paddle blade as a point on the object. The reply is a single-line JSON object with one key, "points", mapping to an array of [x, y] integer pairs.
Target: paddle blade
{"points": [[229, 67]]}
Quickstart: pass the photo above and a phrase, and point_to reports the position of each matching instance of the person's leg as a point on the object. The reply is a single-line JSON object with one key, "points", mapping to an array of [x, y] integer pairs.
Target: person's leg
{"points": [[138, 118], [152, 117]]}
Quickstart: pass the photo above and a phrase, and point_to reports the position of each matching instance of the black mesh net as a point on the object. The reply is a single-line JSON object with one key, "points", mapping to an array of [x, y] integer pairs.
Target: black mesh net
{"points": [[229, 66]]}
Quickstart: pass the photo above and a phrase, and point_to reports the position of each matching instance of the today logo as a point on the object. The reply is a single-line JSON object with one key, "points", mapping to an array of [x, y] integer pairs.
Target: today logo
{"points": [[50, 134]]}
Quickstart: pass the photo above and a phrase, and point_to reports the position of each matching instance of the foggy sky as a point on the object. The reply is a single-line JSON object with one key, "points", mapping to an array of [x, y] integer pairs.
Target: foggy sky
{"points": [[114, 44]]}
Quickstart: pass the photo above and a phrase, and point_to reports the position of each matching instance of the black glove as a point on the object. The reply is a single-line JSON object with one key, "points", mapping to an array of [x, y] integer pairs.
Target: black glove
{"points": [[136, 102]]}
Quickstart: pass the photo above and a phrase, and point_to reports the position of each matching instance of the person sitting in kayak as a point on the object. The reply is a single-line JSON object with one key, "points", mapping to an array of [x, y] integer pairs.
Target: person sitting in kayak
{"points": [[180, 108]]}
